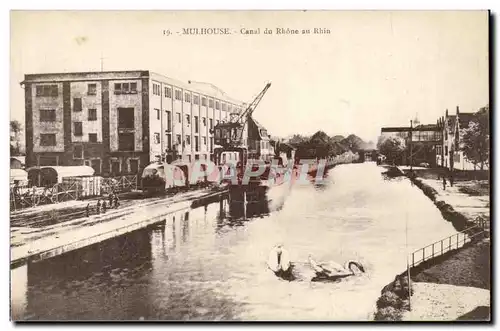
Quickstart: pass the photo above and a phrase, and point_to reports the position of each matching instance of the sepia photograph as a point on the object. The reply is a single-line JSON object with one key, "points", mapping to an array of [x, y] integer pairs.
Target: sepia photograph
{"points": [[250, 165]]}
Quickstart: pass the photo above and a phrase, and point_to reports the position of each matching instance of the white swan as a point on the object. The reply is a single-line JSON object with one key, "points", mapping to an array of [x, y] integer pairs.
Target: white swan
{"points": [[279, 262]]}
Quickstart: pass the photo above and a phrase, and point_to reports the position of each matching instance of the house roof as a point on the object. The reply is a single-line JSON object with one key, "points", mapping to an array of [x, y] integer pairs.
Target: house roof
{"points": [[21, 159], [67, 171]]}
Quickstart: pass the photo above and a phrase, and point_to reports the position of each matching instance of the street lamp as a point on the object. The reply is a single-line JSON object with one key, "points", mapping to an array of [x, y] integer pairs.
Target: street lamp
{"points": [[411, 147]]}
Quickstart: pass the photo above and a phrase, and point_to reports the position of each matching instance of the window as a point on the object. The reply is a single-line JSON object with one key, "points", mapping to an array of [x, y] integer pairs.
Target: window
{"points": [[126, 118], [78, 152], [169, 121], [157, 114], [188, 119], [196, 129], [188, 140], [446, 150], [179, 139], [169, 141], [217, 105], [211, 145], [197, 144], [168, 92], [78, 129], [178, 95], [47, 115], [156, 138], [187, 97], [211, 103], [196, 100], [134, 166], [96, 165], [156, 89], [77, 104], [126, 142], [92, 115], [205, 141], [92, 137], [125, 88], [179, 118], [204, 120], [91, 89], [204, 101], [224, 107], [229, 108], [439, 149], [48, 139], [211, 124], [47, 90], [115, 167]]}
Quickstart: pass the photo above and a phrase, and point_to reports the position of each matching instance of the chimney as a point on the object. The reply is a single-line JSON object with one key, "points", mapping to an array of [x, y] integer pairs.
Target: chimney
{"points": [[446, 112], [458, 110]]}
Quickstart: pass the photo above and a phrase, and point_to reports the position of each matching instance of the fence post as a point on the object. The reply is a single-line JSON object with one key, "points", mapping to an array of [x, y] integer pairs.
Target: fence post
{"points": [[432, 250], [413, 259], [457, 239], [449, 243], [441, 247]]}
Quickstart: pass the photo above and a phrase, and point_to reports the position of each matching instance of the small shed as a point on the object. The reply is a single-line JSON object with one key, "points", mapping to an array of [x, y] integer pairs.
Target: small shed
{"points": [[19, 177], [51, 175]]}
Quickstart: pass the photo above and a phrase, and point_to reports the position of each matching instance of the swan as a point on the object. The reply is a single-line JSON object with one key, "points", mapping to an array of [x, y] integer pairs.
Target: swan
{"points": [[279, 262]]}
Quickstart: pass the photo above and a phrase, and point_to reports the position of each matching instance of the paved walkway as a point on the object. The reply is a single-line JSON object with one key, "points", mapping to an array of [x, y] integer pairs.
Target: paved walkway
{"points": [[468, 205], [72, 234]]}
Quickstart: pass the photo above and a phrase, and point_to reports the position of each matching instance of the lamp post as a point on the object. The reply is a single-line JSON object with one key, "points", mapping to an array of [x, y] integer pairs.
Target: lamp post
{"points": [[411, 151]]}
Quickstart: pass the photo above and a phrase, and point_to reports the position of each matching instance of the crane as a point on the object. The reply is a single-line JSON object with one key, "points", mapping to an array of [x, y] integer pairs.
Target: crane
{"points": [[230, 134]]}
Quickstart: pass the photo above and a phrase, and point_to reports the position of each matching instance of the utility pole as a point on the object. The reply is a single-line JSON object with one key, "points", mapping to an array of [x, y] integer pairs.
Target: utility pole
{"points": [[411, 151], [102, 62]]}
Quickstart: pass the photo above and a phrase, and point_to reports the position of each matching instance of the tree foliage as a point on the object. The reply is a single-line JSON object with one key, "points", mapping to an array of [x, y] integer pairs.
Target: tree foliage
{"points": [[392, 147], [475, 139], [15, 137], [320, 145]]}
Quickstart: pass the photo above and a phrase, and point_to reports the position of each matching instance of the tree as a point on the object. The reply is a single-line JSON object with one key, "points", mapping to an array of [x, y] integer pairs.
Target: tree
{"points": [[475, 139], [392, 147], [15, 137]]}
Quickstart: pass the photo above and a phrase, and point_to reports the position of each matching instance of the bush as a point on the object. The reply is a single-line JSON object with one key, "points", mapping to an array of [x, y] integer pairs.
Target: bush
{"points": [[405, 305], [388, 314], [388, 299]]}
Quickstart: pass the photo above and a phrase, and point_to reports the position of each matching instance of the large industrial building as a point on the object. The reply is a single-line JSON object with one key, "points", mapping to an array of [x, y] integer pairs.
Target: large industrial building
{"points": [[120, 121]]}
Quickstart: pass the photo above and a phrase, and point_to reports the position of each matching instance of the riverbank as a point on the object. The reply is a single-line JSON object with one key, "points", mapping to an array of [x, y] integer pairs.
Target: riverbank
{"points": [[442, 287]]}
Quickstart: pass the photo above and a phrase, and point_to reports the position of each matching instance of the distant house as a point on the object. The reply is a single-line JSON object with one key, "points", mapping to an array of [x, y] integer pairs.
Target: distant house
{"points": [[453, 157], [17, 162], [423, 143]]}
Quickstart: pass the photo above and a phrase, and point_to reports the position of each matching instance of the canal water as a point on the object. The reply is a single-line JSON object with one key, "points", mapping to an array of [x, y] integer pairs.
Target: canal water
{"points": [[210, 264]]}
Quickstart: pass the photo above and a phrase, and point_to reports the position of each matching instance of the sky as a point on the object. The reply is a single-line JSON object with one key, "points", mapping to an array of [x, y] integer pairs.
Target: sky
{"points": [[374, 68]]}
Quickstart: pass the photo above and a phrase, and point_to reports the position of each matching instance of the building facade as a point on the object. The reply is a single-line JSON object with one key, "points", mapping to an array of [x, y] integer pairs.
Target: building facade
{"points": [[118, 122], [453, 157], [423, 142]]}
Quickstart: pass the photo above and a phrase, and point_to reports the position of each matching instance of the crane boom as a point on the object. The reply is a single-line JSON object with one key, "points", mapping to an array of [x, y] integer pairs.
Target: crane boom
{"points": [[251, 107]]}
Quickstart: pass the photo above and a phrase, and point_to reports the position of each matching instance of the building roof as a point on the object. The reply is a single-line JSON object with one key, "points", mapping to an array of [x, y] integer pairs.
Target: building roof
{"points": [[427, 127], [396, 129], [21, 159], [68, 171]]}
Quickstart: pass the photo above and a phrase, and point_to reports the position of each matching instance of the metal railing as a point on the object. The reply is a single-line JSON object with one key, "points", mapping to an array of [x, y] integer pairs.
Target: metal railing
{"points": [[449, 243]]}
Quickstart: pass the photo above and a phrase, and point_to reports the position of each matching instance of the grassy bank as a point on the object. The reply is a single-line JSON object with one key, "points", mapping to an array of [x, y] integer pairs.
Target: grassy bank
{"points": [[395, 299]]}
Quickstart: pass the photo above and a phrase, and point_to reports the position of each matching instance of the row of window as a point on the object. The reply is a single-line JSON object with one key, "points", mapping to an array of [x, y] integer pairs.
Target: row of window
{"points": [[49, 115], [187, 141], [49, 139], [195, 99]]}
